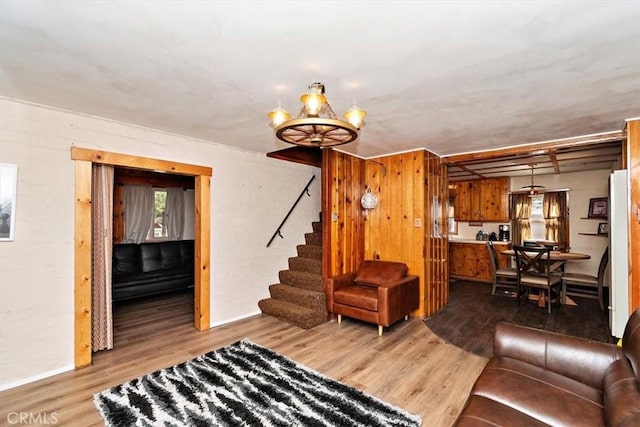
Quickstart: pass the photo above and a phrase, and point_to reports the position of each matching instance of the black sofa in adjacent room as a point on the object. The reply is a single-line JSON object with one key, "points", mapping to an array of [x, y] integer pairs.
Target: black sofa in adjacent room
{"points": [[151, 268]]}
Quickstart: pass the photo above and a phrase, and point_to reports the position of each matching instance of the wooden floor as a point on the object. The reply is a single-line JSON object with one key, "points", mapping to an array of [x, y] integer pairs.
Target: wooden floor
{"points": [[408, 366]]}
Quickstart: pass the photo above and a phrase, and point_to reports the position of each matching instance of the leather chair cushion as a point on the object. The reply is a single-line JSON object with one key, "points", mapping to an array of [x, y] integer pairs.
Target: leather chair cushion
{"points": [[544, 395], [380, 272], [365, 297]]}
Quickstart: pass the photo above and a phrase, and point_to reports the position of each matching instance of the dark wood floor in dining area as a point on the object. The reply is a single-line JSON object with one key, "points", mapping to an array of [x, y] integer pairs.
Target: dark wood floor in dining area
{"points": [[468, 320]]}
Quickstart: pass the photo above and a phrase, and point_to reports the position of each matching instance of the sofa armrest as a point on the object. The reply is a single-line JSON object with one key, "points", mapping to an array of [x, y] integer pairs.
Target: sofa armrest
{"points": [[577, 358], [400, 297], [335, 283]]}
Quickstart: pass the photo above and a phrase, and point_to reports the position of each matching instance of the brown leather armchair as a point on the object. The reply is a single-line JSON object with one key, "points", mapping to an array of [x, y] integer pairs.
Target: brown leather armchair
{"points": [[379, 292]]}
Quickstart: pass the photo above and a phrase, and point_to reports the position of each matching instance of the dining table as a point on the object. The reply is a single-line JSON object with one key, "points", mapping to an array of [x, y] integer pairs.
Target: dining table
{"points": [[558, 259]]}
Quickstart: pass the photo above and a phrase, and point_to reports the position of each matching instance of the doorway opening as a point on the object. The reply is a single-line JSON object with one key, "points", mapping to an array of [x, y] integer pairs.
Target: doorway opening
{"points": [[84, 158]]}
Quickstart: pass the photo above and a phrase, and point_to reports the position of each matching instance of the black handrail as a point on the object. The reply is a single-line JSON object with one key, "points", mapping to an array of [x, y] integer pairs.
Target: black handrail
{"points": [[306, 190]]}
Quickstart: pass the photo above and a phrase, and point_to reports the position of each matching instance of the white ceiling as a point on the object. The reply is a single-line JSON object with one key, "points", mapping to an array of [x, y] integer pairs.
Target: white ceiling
{"points": [[449, 76]]}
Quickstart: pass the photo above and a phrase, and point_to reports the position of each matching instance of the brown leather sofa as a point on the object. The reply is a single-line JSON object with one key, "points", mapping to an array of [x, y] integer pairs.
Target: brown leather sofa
{"points": [[379, 292], [538, 378]]}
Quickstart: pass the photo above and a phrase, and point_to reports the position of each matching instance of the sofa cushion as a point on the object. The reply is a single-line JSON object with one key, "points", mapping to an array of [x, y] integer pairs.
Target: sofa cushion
{"points": [[365, 297], [548, 397], [379, 272], [621, 395], [480, 411], [126, 258]]}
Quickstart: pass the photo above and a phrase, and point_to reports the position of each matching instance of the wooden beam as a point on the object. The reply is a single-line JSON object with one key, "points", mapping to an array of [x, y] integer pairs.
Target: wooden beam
{"points": [[305, 155], [554, 161], [466, 169], [531, 148], [82, 261], [135, 162], [202, 299], [633, 152]]}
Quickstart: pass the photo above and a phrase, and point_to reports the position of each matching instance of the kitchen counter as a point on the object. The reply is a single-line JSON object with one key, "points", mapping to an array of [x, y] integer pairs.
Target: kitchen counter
{"points": [[480, 242], [469, 259]]}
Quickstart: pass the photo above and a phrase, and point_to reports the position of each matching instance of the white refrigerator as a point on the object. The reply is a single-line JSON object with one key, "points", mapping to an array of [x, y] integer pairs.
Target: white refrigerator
{"points": [[618, 251]]}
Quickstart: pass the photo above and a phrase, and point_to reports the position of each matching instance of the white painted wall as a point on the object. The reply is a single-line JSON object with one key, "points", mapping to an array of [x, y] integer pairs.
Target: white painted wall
{"points": [[250, 195]]}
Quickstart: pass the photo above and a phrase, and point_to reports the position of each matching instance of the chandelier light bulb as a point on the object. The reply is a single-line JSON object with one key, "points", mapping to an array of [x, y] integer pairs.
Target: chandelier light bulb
{"points": [[355, 115], [278, 116]]}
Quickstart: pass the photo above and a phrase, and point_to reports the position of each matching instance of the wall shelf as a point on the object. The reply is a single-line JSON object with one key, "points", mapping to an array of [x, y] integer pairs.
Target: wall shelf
{"points": [[595, 234]]}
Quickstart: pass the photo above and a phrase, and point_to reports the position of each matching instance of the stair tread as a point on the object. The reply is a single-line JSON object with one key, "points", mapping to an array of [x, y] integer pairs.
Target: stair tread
{"points": [[295, 314]]}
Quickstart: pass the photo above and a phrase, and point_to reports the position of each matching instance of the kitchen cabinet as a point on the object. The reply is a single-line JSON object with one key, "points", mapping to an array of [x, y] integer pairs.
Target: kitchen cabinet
{"points": [[481, 200], [470, 260]]}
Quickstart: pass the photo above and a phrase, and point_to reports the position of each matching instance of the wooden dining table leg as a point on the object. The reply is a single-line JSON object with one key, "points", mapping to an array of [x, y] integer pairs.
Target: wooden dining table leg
{"points": [[541, 298]]}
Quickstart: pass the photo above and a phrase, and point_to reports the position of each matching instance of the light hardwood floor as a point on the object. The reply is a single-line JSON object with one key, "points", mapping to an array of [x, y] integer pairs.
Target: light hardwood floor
{"points": [[408, 366]]}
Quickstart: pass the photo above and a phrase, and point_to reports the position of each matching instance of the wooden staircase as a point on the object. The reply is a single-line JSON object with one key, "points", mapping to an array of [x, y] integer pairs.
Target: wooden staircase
{"points": [[299, 297]]}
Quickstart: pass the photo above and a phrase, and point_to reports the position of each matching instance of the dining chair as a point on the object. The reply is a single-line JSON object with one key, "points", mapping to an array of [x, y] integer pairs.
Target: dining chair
{"points": [[533, 266], [505, 277], [586, 285]]}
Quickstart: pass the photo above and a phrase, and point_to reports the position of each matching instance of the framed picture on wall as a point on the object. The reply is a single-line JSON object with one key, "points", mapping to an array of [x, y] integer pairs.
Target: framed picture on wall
{"points": [[8, 187], [599, 207], [603, 228]]}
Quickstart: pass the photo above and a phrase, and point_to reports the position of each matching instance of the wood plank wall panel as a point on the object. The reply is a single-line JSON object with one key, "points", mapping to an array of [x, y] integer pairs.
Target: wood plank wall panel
{"points": [[82, 280], [633, 147], [390, 230], [343, 239]]}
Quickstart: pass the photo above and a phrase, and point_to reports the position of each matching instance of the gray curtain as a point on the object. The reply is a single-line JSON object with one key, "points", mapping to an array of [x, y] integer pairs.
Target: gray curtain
{"points": [[520, 208], [174, 214], [102, 235], [138, 212]]}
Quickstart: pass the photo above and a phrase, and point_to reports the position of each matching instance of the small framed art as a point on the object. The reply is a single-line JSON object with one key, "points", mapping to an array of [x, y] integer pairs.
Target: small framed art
{"points": [[603, 228], [599, 207]]}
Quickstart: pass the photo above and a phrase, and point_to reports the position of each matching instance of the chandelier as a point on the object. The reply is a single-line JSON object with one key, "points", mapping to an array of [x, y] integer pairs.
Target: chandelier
{"points": [[533, 189], [317, 124]]}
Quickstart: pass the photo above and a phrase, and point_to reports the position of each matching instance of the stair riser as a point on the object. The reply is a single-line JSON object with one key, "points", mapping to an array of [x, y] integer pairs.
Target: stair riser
{"points": [[309, 281], [310, 251], [313, 239], [307, 265], [317, 227]]}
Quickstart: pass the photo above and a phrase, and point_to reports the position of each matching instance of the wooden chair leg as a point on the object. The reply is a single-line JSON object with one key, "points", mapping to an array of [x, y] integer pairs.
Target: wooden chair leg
{"points": [[380, 328]]}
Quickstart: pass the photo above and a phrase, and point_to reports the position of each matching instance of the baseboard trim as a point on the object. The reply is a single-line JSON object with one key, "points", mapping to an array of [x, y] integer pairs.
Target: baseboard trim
{"points": [[234, 319], [34, 378]]}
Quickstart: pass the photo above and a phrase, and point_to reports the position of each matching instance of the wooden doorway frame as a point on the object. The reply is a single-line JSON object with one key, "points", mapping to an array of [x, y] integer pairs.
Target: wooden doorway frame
{"points": [[84, 158]]}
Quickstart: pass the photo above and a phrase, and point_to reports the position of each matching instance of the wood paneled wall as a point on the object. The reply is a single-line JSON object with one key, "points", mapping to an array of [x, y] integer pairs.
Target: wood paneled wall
{"points": [[633, 153], [400, 228], [342, 216]]}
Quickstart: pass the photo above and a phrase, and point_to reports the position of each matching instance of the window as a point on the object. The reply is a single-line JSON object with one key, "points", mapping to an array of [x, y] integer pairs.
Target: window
{"points": [[159, 229], [538, 224]]}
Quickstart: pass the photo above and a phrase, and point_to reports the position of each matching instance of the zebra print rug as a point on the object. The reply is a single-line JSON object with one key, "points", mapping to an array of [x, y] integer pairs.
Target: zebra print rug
{"points": [[243, 384]]}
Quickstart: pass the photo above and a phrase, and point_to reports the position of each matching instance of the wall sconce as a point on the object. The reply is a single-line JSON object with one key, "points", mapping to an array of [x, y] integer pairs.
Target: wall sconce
{"points": [[369, 200]]}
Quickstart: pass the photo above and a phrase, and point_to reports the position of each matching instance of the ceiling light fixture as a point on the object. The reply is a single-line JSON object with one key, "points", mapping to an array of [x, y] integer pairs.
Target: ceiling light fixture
{"points": [[533, 189], [317, 124]]}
